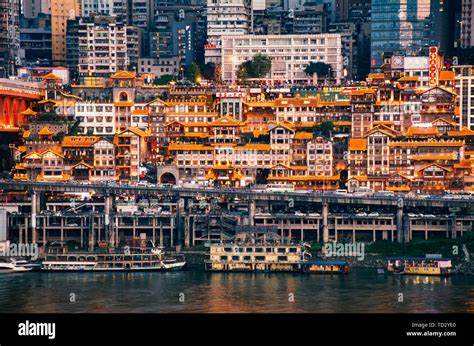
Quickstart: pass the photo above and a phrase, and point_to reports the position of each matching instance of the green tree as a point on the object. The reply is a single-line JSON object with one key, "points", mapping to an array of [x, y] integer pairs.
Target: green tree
{"points": [[192, 72], [325, 128], [163, 80], [320, 68], [208, 71], [258, 67]]}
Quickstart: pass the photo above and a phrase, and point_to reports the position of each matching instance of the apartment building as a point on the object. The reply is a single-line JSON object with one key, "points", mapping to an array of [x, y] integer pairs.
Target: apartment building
{"points": [[225, 17], [61, 12], [102, 46], [290, 55], [464, 89]]}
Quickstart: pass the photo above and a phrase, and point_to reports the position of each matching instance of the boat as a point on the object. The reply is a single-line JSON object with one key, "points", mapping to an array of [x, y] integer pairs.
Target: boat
{"points": [[130, 259], [256, 257], [419, 266], [325, 266], [13, 265]]}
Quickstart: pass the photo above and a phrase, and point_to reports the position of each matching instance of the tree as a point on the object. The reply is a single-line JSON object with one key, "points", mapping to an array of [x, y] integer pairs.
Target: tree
{"points": [[325, 128], [208, 71], [163, 80], [258, 67], [320, 68], [192, 72]]}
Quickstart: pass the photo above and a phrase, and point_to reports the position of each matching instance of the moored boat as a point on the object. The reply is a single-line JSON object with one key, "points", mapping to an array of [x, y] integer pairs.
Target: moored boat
{"points": [[256, 257], [135, 260], [12, 265], [419, 266]]}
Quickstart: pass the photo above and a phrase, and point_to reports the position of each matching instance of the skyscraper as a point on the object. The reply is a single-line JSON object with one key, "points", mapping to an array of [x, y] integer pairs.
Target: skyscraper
{"points": [[409, 27], [467, 24], [225, 17], [61, 11], [9, 36]]}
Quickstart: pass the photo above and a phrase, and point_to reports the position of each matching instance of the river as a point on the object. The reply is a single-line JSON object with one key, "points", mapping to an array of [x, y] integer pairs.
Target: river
{"points": [[362, 290]]}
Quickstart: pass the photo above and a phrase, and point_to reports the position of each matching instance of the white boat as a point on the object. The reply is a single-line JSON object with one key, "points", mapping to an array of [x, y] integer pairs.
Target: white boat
{"points": [[135, 260], [12, 265]]}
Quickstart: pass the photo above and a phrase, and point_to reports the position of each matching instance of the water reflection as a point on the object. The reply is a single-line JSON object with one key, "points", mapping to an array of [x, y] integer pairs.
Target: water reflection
{"points": [[360, 291]]}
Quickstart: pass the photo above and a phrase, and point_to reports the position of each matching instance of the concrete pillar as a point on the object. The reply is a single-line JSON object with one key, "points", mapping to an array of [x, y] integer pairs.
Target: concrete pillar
{"points": [[161, 234], [187, 230], [400, 230], [406, 230], [454, 226], [353, 231], [108, 221], [45, 241], [181, 207], [172, 228], [82, 232], [373, 230], [325, 222], [91, 233], [251, 213], [35, 207]]}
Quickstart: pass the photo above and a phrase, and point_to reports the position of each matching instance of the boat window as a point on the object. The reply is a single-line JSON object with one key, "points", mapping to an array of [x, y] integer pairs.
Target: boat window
{"points": [[247, 258], [259, 249], [260, 258], [293, 250], [128, 258], [281, 250], [283, 258], [227, 249], [235, 258], [249, 249], [269, 249], [223, 258]]}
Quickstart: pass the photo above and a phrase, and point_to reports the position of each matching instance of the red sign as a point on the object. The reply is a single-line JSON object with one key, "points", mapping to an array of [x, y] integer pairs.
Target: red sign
{"points": [[433, 69]]}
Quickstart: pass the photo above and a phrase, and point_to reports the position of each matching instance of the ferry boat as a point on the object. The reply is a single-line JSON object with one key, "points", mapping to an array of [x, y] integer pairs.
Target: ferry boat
{"points": [[419, 266], [136, 260], [12, 265], [256, 257], [325, 267]]}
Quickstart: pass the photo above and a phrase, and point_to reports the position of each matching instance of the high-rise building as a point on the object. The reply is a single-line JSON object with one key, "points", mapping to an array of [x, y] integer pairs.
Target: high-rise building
{"points": [[9, 36], [467, 24], [464, 89], [102, 46], [32, 8], [35, 39], [410, 27], [225, 18], [98, 7], [290, 55], [61, 11]]}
